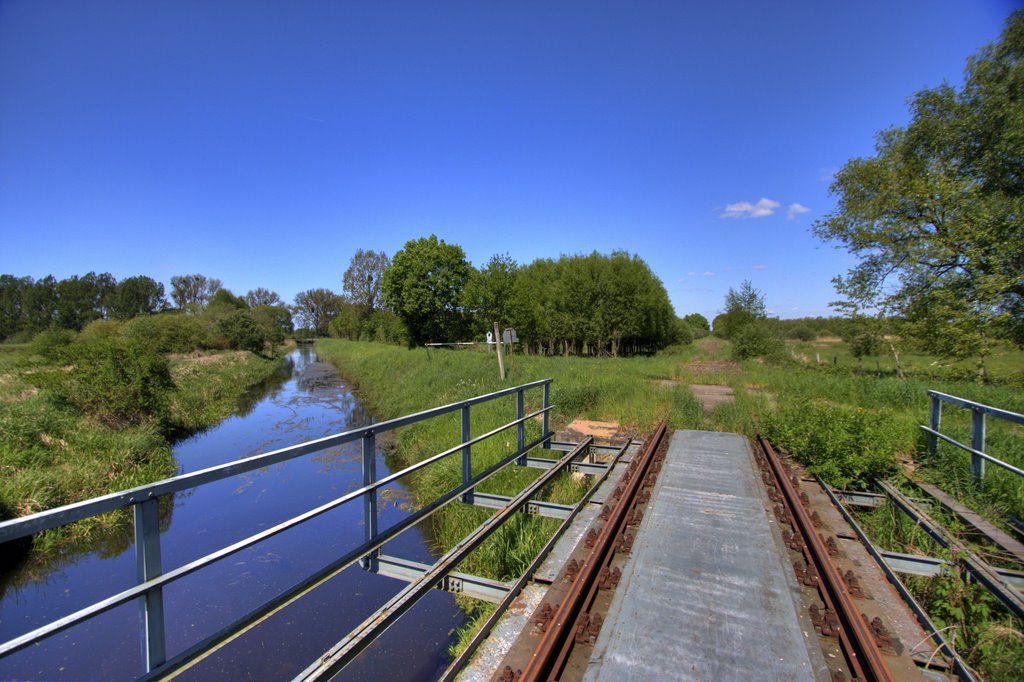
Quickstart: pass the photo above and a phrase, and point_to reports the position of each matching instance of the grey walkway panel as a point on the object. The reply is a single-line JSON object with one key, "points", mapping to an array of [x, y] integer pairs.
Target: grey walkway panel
{"points": [[705, 594]]}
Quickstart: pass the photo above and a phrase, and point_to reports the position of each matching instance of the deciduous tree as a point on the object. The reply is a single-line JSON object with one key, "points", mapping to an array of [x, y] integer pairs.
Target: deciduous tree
{"points": [[191, 293], [364, 278], [260, 296], [133, 296], [936, 217], [315, 308], [425, 286], [742, 307]]}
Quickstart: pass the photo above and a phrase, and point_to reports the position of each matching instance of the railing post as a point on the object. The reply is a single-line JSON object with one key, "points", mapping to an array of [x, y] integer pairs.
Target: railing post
{"points": [[370, 499], [467, 456], [521, 429], [148, 566], [936, 422], [978, 443], [547, 404]]}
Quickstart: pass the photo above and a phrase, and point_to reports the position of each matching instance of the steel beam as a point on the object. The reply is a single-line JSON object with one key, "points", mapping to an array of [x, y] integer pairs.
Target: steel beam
{"points": [[594, 469], [474, 586], [962, 669], [860, 498], [548, 509], [978, 568], [148, 566], [339, 655]]}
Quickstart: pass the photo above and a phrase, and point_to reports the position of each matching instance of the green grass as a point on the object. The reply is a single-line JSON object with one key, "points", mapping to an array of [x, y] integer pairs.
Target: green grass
{"points": [[51, 455], [848, 426], [987, 636]]}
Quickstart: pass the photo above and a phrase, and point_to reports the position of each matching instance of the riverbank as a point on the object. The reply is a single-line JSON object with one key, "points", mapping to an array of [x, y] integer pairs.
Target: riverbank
{"points": [[308, 401], [52, 454]]}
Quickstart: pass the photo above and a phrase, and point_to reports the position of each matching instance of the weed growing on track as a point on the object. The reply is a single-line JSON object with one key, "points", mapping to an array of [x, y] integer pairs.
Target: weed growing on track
{"points": [[987, 636]]}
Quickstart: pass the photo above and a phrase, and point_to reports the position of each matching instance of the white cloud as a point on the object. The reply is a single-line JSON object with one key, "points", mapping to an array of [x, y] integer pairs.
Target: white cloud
{"points": [[709, 274], [759, 266], [745, 209], [795, 210]]}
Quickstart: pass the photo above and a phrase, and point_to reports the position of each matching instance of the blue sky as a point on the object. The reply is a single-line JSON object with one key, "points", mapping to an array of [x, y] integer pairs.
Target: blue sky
{"points": [[264, 142]]}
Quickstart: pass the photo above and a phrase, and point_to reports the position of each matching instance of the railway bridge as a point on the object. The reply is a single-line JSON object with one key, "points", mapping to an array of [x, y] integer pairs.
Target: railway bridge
{"points": [[689, 555]]}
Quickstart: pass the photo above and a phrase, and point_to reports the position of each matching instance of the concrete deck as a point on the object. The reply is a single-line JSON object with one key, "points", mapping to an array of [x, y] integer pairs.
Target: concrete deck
{"points": [[706, 594]]}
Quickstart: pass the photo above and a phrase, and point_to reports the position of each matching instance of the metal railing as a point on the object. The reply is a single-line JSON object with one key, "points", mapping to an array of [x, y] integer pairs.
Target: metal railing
{"points": [[977, 446], [151, 578]]}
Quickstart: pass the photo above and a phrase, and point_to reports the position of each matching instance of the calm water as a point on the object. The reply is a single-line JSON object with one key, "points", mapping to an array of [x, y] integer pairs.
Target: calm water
{"points": [[311, 402]]}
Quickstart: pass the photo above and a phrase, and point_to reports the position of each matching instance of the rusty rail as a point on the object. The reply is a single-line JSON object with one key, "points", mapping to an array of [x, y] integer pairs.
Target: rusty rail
{"points": [[841, 616], [570, 620]]}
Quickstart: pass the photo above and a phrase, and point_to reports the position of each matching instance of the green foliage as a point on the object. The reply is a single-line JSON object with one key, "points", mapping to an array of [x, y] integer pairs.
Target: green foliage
{"points": [[755, 339], [742, 307], [424, 286], [224, 302], [592, 305], [101, 329], [939, 207], [315, 308], [844, 445], [863, 336], [699, 323], [490, 292], [119, 382], [135, 296], [242, 331], [363, 280], [191, 293], [276, 321], [683, 333], [50, 344], [802, 332], [260, 297], [172, 332], [82, 299]]}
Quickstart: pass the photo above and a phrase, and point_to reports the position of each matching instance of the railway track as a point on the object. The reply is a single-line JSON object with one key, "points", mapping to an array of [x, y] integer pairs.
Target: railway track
{"points": [[568, 621], [839, 616], [867, 623]]}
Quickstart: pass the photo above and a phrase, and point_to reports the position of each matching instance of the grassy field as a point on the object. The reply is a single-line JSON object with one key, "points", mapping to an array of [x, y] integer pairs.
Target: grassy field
{"points": [[51, 455], [848, 426]]}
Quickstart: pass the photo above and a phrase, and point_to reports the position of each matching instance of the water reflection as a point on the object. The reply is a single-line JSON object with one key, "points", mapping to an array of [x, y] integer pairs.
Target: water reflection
{"points": [[310, 402]]}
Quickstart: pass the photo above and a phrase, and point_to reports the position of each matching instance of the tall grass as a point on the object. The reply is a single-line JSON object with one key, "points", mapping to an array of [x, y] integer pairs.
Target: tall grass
{"points": [[849, 427], [52, 455]]}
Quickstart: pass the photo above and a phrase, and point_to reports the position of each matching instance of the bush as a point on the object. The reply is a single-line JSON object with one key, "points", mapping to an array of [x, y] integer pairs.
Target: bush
{"points": [[802, 332], [276, 321], [120, 382], [172, 332], [841, 444], [755, 340], [51, 343], [101, 329], [242, 331]]}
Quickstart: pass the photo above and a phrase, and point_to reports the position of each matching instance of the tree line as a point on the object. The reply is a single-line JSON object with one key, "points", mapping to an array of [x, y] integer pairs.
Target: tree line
{"points": [[580, 304], [205, 316]]}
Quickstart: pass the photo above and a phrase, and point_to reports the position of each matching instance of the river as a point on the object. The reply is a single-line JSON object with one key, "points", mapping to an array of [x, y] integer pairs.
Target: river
{"points": [[308, 401]]}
